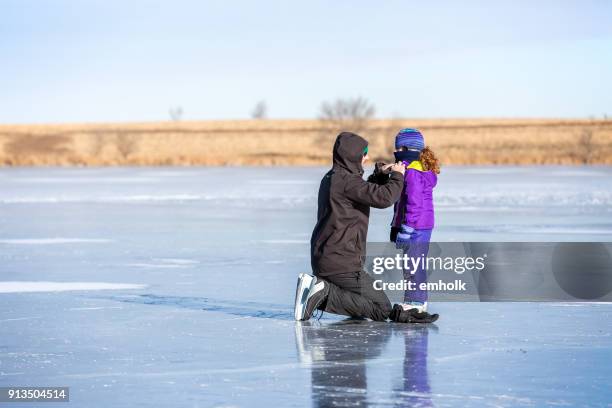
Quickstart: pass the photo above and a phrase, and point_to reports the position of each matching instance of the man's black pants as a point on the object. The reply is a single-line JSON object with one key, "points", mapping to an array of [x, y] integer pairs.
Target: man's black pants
{"points": [[352, 294]]}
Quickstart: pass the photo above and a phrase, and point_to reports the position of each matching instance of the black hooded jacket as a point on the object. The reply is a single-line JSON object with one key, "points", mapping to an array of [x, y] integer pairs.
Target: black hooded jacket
{"points": [[339, 239]]}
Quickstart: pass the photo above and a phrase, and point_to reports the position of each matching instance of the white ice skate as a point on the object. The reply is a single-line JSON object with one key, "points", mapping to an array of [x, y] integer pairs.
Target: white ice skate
{"points": [[310, 293]]}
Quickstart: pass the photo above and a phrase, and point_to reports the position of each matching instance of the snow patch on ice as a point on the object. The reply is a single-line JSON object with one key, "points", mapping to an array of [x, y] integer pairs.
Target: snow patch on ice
{"points": [[157, 266], [282, 241], [313, 181], [579, 304], [566, 231], [109, 199], [18, 319], [178, 261], [166, 263], [513, 198], [41, 286], [85, 180], [49, 241], [234, 198], [493, 170]]}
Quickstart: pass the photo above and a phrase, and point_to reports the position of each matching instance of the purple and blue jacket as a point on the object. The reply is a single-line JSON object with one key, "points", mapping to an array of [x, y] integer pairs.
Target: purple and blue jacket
{"points": [[415, 206]]}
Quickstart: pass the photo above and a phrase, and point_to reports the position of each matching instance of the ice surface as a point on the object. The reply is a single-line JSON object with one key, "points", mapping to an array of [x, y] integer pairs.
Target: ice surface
{"points": [[47, 241], [30, 286], [219, 250]]}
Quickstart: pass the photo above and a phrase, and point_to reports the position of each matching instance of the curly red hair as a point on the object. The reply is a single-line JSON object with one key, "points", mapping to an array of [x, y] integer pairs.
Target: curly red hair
{"points": [[429, 161]]}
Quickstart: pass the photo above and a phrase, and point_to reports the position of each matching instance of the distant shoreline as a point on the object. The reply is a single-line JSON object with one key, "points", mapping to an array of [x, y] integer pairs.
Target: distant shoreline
{"points": [[302, 142]]}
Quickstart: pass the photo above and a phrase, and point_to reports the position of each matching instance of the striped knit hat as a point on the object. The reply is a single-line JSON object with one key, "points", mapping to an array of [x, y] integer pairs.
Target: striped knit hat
{"points": [[411, 138]]}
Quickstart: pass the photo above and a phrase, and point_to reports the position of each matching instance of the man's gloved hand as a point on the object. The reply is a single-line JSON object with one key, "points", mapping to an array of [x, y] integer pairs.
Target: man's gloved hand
{"points": [[380, 174], [399, 315]]}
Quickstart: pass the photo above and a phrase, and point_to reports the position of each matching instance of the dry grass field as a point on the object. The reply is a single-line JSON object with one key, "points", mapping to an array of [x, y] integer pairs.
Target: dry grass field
{"points": [[301, 142]]}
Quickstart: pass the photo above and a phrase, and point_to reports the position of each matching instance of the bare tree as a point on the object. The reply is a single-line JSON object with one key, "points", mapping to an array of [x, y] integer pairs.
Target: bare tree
{"points": [[126, 144], [176, 113], [350, 114], [585, 147], [260, 111]]}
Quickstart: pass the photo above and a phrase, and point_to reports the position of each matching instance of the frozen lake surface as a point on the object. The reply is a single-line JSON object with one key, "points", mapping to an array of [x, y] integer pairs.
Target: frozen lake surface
{"points": [[174, 287]]}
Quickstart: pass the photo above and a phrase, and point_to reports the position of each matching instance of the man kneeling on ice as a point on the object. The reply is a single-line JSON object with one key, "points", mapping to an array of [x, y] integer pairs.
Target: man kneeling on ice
{"points": [[338, 242]]}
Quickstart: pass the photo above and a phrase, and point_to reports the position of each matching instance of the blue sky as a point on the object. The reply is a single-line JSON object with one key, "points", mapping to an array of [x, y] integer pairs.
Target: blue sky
{"points": [[98, 61]]}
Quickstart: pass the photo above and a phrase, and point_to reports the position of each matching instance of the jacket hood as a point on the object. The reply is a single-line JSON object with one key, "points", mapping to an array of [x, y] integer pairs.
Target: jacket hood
{"points": [[348, 152], [429, 176]]}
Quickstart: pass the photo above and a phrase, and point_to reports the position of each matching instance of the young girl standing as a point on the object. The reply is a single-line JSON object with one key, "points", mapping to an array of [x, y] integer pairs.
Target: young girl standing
{"points": [[413, 219]]}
